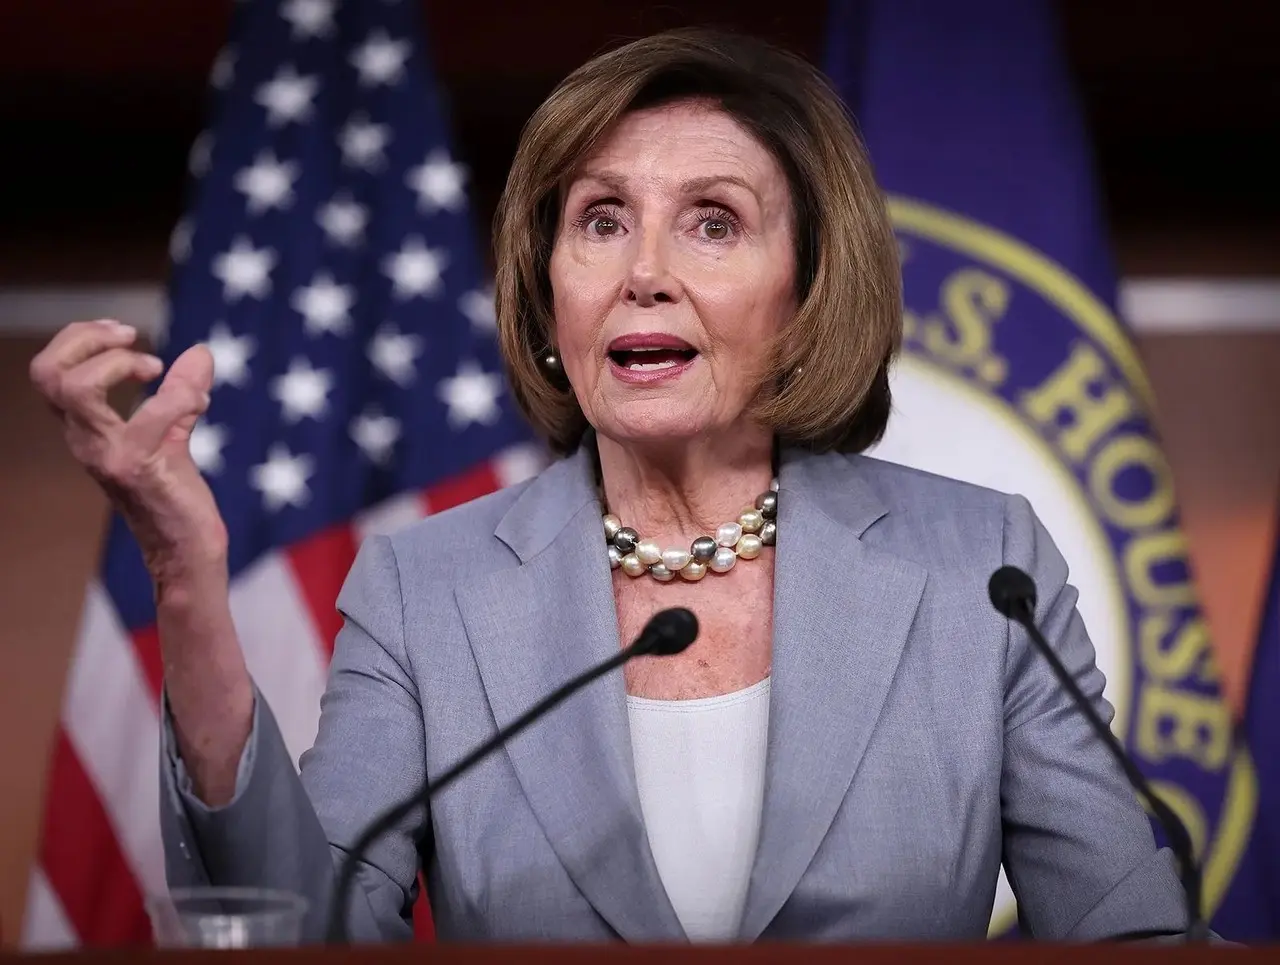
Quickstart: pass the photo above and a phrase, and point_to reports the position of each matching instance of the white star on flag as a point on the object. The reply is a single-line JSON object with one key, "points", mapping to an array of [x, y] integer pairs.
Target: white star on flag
{"points": [[363, 142], [201, 154], [325, 305], [160, 331], [180, 241], [477, 306], [206, 444], [472, 396], [343, 220], [393, 354], [439, 182], [376, 435], [267, 183], [309, 18], [302, 391], [224, 69], [415, 269], [287, 96], [380, 60], [230, 355], [282, 479], [244, 270]]}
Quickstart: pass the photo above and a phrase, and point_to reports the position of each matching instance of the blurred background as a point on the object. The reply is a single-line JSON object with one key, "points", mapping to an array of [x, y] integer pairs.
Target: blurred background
{"points": [[100, 101]]}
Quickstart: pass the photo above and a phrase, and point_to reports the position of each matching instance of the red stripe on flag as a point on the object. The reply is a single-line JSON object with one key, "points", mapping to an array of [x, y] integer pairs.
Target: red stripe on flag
{"points": [[462, 488], [146, 644], [320, 564], [83, 861], [424, 928]]}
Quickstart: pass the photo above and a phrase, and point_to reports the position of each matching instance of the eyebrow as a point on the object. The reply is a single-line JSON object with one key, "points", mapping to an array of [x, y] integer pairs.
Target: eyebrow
{"points": [[693, 186], [700, 185]]}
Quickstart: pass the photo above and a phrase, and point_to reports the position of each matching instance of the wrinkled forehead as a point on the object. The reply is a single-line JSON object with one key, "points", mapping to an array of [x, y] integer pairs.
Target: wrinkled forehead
{"points": [[681, 143]]}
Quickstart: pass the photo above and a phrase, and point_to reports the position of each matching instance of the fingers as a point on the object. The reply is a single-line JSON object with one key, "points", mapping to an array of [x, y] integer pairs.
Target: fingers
{"points": [[74, 344], [182, 398], [195, 365], [177, 404], [81, 364], [81, 392], [85, 360]]}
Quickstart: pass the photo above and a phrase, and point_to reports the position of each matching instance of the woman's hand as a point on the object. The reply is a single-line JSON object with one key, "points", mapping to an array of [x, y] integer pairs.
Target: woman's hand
{"points": [[143, 462]]}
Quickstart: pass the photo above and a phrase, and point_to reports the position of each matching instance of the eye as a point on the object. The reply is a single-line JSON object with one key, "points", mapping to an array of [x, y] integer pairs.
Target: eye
{"points": [[717, 223], [716, 228], [600, 220], [603, 225]]}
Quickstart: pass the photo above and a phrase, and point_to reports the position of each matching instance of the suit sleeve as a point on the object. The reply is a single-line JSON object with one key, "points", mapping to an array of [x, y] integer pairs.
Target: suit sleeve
{"points": [[288, 830], [1078, 847]]}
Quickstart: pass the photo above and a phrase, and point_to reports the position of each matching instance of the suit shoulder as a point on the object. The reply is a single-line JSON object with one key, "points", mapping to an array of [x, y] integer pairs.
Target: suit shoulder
{"points": [[459, 539], [936, 520], [905, 488]]}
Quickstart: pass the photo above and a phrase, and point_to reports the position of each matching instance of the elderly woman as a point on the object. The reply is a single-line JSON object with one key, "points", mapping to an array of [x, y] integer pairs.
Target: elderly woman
{"points": [[698, 301]]}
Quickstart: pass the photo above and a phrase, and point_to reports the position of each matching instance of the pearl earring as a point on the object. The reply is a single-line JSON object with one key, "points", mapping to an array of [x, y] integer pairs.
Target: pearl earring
{"points": [[552, 362]]}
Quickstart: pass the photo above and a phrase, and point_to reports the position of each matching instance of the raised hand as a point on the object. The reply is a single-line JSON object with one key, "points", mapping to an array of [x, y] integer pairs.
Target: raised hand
{"points": [[142, 462]]}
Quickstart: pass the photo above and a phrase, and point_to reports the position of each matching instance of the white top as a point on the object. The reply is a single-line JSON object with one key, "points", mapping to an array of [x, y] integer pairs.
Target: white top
{"points": [[700, 768]]}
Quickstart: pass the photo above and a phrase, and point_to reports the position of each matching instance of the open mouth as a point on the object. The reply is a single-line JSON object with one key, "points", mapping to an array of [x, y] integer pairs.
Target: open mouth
{"points": [[651, 359], [650, 352]]}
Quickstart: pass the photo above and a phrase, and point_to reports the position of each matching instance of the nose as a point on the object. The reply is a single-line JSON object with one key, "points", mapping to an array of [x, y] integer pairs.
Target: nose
{"points": [[650, 281]]}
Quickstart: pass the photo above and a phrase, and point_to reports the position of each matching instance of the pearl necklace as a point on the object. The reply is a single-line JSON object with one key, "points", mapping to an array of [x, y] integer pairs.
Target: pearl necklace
{"points": [[755, 528]]}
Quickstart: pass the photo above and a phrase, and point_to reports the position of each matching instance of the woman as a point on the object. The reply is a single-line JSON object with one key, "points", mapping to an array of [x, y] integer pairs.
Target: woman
{"points": [[698, 300]]}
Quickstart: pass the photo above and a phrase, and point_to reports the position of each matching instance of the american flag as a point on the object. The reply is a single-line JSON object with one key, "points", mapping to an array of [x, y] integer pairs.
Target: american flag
{"points": [[328, 260]]}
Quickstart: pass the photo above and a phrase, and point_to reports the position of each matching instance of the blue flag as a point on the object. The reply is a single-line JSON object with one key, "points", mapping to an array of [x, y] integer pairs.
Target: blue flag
{"points": [[1259, 894], [1263, 723], [329, 261], [1017, 373]]}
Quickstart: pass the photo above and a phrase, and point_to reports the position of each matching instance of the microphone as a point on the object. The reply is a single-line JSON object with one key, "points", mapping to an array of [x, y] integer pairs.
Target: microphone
{"points": [[1013, 593], [667, 633]]}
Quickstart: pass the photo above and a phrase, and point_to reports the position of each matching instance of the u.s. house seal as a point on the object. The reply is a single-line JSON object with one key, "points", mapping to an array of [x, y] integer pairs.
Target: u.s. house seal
{"points": [[1015, 376]]}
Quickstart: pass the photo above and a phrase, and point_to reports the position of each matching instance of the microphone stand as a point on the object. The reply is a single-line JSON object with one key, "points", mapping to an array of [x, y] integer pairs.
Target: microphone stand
{"points": [[668, 632], [1018, 606]]}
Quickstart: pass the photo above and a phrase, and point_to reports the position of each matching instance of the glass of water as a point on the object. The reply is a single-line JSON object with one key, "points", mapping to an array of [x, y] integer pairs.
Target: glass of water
{"points": [[226, 918]]}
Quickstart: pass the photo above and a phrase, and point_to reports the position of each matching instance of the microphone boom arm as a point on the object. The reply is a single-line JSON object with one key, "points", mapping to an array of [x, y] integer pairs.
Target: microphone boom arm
{"points": [[1020, 610], [668, 632]]}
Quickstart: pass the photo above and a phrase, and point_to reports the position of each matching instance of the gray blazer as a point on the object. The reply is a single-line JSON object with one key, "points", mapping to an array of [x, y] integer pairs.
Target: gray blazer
{"points": [[915, 740]]}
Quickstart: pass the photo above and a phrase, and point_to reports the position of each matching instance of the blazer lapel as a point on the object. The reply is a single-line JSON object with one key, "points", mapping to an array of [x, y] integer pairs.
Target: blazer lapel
{"points": [[534, 627], [842, 612]]}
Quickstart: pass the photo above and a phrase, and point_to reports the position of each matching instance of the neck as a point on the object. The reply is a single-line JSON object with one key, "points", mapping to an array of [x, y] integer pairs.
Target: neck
{"points": [[674, 493]]}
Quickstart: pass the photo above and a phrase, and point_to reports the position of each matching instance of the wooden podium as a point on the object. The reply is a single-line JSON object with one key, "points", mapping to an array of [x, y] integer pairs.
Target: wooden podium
{"points": [[619, 954]]}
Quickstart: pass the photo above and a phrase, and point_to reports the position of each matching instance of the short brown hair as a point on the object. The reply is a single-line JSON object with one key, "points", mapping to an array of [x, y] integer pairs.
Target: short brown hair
{"points": [[828, 384]]}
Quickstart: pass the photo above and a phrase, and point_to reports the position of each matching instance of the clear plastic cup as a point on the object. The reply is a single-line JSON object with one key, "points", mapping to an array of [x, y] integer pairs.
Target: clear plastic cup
{"points": [[226, 918]]}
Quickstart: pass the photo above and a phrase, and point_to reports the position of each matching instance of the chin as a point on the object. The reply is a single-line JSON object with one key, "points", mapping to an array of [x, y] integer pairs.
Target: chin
{"points": [[651, 436], [653, 427]]}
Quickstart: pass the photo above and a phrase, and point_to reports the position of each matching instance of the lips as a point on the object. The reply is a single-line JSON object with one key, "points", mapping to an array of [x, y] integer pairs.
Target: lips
{"points": [[650, 352]]}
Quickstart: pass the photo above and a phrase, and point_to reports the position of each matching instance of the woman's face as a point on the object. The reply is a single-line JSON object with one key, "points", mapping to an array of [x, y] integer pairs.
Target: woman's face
{"points": [[673, 264]]}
